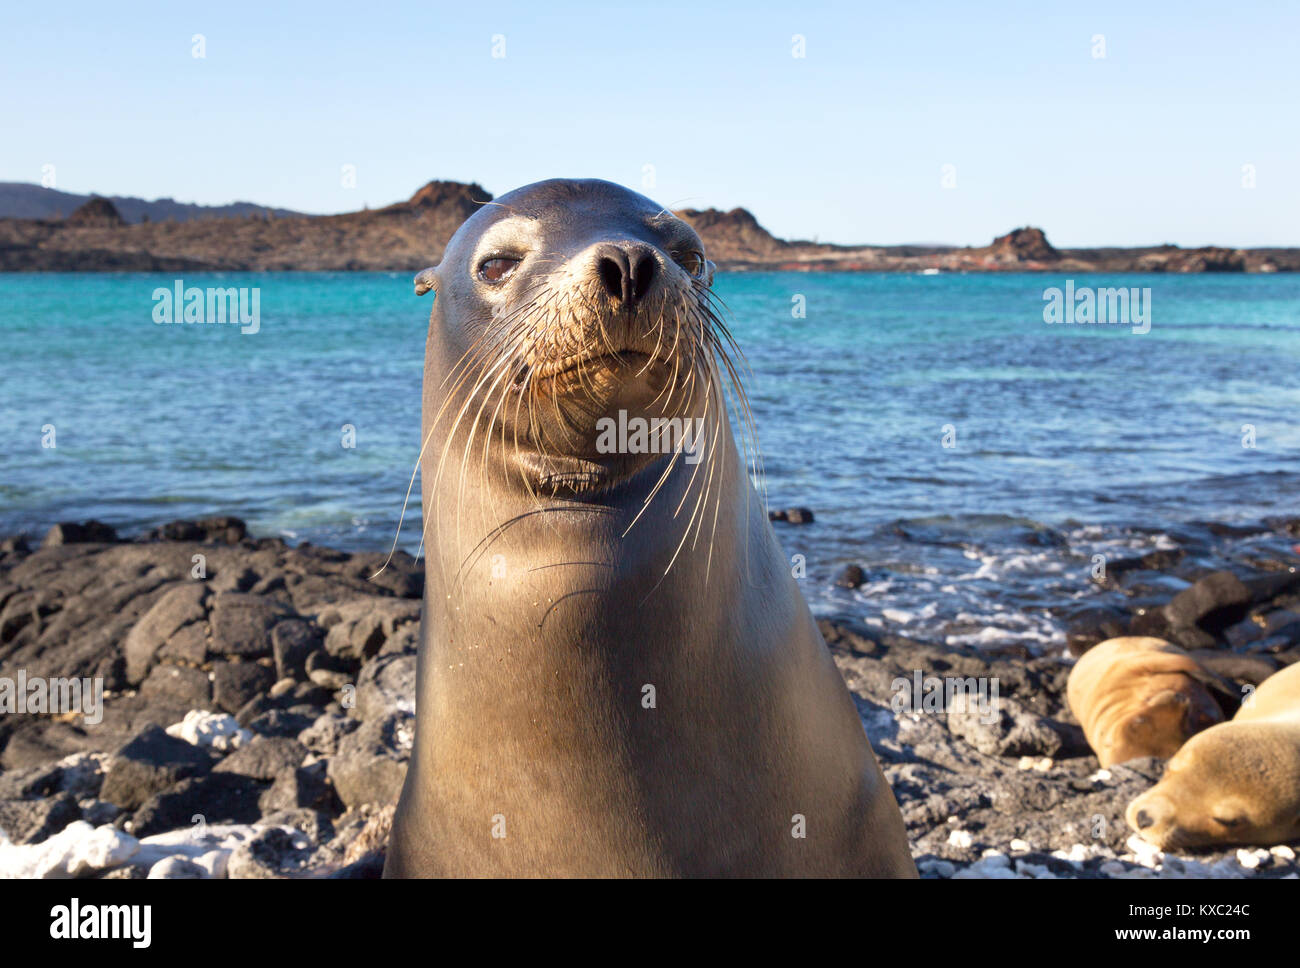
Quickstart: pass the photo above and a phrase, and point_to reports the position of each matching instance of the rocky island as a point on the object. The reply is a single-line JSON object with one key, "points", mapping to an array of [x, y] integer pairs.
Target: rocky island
{"points": [[410, 235]]}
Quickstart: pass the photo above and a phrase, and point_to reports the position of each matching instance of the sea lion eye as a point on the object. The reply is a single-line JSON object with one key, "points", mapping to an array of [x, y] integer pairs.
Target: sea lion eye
{"points": [[1228, 821], [693, 262], [497, 269]]}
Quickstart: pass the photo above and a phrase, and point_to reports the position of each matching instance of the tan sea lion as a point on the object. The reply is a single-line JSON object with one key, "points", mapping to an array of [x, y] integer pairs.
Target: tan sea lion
{"points": [[617, 673], [1136, 696], [1235, 783]]}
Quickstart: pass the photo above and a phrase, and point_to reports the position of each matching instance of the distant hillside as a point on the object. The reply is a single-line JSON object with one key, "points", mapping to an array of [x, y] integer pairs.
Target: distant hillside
{"points": [[407, 235], [25, 200], [99, 235]]}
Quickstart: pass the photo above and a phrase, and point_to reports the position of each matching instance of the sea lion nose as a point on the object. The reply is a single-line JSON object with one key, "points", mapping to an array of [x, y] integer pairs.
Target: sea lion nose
{"points": [[1144, 820], [626, 270]]}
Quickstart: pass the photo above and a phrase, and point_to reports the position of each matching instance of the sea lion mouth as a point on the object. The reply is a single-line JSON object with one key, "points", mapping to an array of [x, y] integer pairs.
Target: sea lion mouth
{"points": [[594, 362], [558, 473], [1175, 838]]}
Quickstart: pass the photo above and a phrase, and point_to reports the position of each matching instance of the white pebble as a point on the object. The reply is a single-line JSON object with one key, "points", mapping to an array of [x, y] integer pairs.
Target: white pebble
{"points": [[175, 868], [960, 838], [214, 862], [1146, 854], [76, 850], [1250, 859], [216, 730]]}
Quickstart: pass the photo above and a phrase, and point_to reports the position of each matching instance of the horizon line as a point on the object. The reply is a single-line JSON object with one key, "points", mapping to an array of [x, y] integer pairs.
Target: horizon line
{"points": [[813, 240]]}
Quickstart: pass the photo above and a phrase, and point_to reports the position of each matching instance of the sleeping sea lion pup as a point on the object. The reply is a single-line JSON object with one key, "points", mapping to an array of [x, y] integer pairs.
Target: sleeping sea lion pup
{"points": [[1235, 783], [1136, 696], [617, 672]]}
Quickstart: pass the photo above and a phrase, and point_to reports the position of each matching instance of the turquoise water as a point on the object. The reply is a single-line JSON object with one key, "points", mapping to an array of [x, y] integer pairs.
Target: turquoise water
{"points": [[1102, 434]]}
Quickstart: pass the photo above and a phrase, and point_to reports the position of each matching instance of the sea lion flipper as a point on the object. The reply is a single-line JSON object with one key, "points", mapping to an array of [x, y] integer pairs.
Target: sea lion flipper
{"points": [[425, 280], [1227, 694]]}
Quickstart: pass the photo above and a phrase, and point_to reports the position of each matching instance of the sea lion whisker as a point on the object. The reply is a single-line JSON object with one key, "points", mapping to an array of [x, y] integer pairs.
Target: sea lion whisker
{"points": [[503, 370], [501, 365], [406, 500], [498, 324], [688, 406], [484, 544]]}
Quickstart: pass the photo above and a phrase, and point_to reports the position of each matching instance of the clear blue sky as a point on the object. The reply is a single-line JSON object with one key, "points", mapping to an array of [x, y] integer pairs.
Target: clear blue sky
{"points": [[846, 144]]}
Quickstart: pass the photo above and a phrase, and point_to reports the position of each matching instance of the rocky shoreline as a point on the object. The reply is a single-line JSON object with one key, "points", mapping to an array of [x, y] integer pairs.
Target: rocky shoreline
{"points": [[409, 235], [258, 711]]}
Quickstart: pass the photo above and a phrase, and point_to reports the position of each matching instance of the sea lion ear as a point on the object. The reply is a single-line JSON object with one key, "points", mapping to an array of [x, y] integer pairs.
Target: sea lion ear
{"points": [[425, 280]]}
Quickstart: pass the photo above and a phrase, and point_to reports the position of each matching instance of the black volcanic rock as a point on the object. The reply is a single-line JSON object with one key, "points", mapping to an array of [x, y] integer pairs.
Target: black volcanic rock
{"points": [[234, 684], [70, 532], [1212, 604], [792, 515], [150, 763], [217, 798], [32, 821], [178, 687], [291, 642], [264, 758], [242, 623], [224, 530], [852, 576]]}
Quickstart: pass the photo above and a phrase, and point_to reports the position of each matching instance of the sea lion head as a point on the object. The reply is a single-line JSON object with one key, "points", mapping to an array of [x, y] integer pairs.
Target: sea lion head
{"points": [[1137, 696], [1161, 723], [1235, 783], [559, 306]]}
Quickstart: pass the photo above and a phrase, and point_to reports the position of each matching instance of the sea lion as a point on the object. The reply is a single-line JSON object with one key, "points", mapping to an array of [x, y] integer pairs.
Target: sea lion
{"points": [[1136, 696], [617, 673], [1235, 783]]}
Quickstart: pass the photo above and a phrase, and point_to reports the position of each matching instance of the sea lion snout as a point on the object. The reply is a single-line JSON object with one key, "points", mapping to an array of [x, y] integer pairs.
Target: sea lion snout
{"points": [[627, 270], [1152, 816]]}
